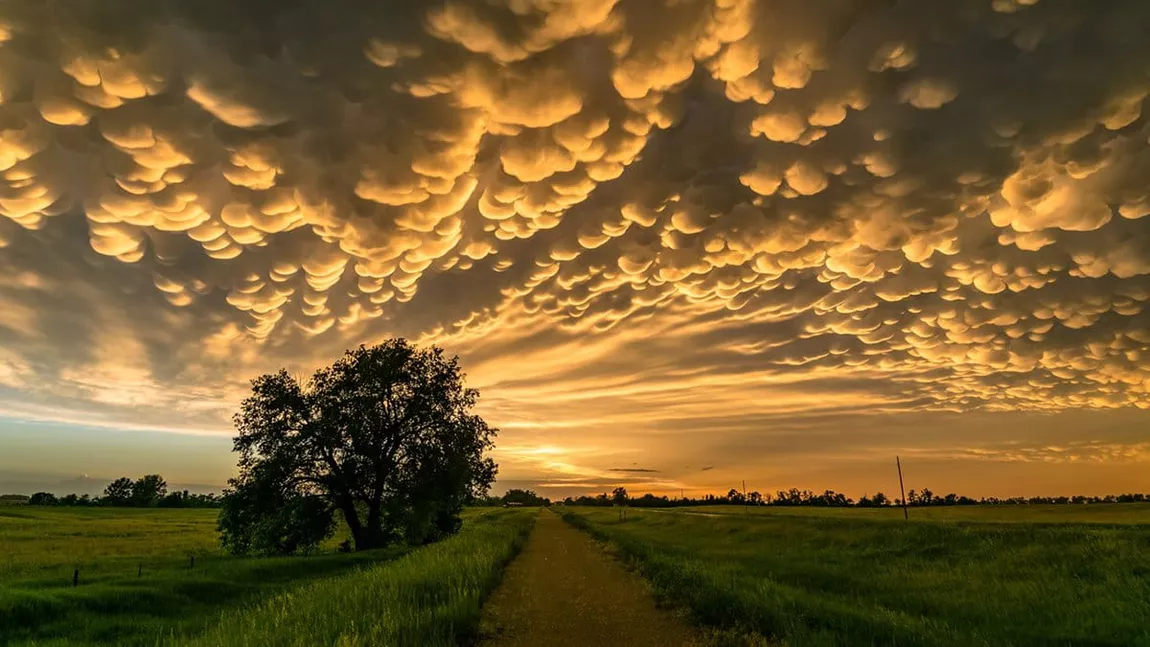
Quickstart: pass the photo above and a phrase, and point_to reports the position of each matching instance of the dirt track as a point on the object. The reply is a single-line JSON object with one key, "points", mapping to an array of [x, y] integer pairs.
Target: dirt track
{"points": [[563, 591]]}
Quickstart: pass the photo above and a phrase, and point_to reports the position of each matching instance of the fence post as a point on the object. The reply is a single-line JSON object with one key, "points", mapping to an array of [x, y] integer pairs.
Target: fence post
{"points": [[191, 561], [905, 513], [76, 578], [139, 571]]}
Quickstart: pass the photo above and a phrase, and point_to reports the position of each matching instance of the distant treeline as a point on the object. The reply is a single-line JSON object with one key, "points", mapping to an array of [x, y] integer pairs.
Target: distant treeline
{"points": [[150, 491], [514, 497], [830, 498]]}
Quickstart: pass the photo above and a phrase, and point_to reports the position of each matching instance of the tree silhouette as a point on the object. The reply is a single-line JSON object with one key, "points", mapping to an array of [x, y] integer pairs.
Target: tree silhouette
{"points": [[118, 492], [42, 498], [386, 435], [516, 496], [148, 490]]}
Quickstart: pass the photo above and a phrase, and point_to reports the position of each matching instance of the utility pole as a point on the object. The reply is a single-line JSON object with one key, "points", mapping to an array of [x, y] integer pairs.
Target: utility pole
{"points": [[901, 489], [745, 509]]}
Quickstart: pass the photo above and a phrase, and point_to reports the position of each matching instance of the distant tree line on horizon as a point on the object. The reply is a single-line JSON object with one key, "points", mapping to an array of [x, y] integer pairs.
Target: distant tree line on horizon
{"points": [[514, 498], [830, 498], [149, 491]]}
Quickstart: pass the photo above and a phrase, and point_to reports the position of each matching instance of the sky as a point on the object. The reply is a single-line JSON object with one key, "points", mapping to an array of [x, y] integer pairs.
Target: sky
{"points": [[676, 244]]}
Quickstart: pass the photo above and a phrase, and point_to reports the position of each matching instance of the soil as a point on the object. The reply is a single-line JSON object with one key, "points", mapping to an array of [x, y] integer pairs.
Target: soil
{"points": [[564, 591]]}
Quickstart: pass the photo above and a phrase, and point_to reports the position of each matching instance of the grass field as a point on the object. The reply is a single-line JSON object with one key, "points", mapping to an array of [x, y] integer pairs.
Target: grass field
{"points": [[429, 598], [1110, 513], [137, 582], [46, 544], [853, 577]]}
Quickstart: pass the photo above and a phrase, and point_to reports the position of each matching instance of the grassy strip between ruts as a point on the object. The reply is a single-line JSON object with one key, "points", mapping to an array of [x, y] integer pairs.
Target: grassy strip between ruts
{"points": [[430, 597], [815, 581]]}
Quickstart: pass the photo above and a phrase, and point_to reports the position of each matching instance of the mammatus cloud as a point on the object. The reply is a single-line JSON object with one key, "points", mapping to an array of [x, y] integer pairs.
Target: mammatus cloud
{"points": [[632, 214]]}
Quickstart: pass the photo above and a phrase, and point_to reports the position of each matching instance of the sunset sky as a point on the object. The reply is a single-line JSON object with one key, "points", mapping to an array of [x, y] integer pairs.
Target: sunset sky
{"points": [[675, 243]]}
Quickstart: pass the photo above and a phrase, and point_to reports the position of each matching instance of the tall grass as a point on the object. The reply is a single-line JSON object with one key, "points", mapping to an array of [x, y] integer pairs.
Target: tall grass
{"points": [[1107, 513], [430, 597], [810, 580], [137, 582], [46, 544]]}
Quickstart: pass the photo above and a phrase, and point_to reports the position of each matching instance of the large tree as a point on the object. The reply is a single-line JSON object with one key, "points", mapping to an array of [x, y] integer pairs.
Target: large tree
{"points": [[148, 490], [386, 435], [118, 492]]}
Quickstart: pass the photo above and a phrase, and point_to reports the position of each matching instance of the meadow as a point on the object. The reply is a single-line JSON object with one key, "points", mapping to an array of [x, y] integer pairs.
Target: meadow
{"points": [[153, 576], [1109, 513], [429, 598], [982, 575]]}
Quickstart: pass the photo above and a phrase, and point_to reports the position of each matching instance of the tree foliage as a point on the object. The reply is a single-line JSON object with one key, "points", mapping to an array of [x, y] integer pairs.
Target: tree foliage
{"points": [[119, 492], [42, 498], [516, 496], [386, 435], [148, 490]]}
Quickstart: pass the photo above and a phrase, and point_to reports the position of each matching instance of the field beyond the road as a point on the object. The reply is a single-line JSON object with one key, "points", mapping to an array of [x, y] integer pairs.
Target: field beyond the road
{"points": [[950, 576], [1109, 513]]}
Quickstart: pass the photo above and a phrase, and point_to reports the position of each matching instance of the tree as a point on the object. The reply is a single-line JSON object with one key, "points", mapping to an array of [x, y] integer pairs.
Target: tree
{"points": [[42, 498], [148, 490], [619, 495], [118, 492], [523, 497], [386, 436]]}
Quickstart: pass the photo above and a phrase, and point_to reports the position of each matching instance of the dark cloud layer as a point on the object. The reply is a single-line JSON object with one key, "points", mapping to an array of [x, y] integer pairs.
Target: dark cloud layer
{"points": [[711, 216]]}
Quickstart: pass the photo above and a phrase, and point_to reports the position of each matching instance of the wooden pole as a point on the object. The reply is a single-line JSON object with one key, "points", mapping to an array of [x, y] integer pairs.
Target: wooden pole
{"points": [[139, 571], [901, 489], [745, 509], [76, 577]]}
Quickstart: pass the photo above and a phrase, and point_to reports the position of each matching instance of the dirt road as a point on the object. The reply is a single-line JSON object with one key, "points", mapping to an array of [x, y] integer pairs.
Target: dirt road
{"points": [[562, 591]]}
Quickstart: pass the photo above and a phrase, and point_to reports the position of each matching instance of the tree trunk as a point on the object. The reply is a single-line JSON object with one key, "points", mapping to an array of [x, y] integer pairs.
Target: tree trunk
{"points": [[373, 530], [351, 518]]}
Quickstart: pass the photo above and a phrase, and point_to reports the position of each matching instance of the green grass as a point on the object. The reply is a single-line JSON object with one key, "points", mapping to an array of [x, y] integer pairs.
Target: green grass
{"points": [[430, 597], [1110, 513], [853, 577], [137, 582], [116, 604], [46, 544]]}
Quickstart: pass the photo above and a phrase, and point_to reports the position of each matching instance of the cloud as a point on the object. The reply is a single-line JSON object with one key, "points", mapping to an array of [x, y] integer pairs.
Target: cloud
{"points": [[715, 215], [638, 470]]}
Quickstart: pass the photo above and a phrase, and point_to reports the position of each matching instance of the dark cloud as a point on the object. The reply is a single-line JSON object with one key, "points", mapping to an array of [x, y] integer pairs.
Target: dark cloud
{"points": [[739, 218]]}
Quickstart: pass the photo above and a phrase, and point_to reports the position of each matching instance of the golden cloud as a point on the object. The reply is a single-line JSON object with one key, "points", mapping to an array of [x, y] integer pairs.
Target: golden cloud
{"points": [[950, 200]]}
